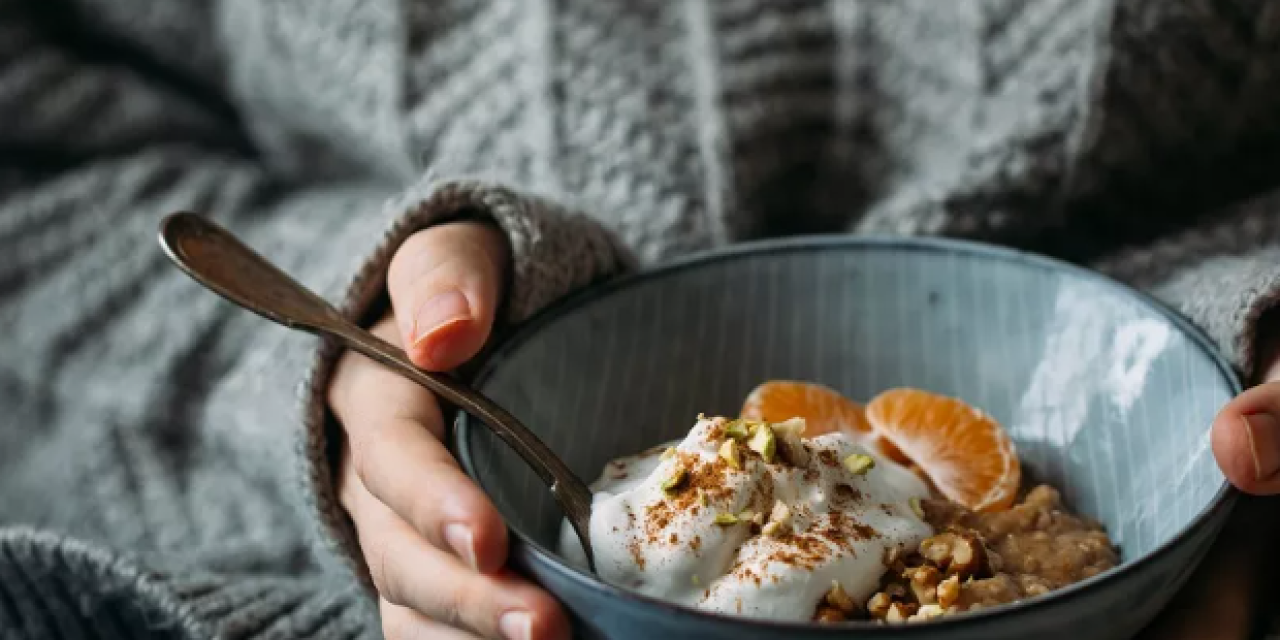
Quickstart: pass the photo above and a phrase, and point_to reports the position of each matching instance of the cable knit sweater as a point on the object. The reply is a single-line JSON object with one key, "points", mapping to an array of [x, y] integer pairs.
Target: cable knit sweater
{"points": [[164, 459]]}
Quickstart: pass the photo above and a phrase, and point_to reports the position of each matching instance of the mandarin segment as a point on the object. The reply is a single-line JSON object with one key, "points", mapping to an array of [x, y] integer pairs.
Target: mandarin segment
{"points": [[823, 409], [965, 452]]}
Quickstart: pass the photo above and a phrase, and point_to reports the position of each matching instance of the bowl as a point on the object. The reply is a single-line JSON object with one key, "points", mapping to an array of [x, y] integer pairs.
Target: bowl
{"points": [[1107, 394]]}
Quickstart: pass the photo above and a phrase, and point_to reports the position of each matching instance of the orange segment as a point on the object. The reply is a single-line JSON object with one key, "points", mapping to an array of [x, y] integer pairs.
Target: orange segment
{"points": [[966, 453], [823, 409]]}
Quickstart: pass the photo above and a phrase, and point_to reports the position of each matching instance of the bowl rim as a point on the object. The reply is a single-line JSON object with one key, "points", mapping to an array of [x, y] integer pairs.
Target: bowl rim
{"points": [[1216, 509]]}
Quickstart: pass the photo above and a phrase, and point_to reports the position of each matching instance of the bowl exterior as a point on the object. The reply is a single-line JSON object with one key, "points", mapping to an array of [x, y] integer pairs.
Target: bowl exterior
{"points": [[1114, 609]]}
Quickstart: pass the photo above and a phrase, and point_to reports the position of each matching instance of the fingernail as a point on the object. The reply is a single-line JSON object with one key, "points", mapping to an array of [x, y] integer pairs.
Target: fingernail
{"points": [[516, 625], [439, 312], [463, 543], [1264, 443]]}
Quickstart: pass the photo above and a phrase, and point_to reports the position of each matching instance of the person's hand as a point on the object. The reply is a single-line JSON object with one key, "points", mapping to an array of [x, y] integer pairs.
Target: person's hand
{"points": [[434, 544], [1220, 601]]}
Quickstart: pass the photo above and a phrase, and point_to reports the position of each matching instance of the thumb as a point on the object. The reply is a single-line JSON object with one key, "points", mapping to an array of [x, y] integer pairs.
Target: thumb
{"points": [[445, 284], [1246, 440]]}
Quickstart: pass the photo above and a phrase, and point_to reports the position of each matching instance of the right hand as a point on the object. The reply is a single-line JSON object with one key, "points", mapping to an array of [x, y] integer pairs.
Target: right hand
{"points": [[435, 545]]}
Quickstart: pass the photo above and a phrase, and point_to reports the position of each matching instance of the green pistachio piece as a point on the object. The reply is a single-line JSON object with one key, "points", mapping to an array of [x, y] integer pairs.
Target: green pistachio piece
{"points": [[858, 464]]}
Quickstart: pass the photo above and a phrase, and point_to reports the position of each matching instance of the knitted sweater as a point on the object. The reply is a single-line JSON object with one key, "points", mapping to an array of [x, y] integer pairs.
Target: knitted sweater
{"points": [[165, 457]]}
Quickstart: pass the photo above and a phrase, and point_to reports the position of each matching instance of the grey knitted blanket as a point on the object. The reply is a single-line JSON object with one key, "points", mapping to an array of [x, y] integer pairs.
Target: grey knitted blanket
{"points": [[163, 456]]}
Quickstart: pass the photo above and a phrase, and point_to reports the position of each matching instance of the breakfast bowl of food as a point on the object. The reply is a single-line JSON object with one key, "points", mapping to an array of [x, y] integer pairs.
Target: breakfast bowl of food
{"points": [[879, 438]]}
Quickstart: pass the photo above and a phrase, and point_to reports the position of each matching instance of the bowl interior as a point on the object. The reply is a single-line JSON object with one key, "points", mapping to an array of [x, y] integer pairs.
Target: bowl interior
{"points": [[1108, 396]]}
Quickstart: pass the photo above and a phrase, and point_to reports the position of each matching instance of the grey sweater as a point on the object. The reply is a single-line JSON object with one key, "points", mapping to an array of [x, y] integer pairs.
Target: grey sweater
{"points": [[165, 458]]}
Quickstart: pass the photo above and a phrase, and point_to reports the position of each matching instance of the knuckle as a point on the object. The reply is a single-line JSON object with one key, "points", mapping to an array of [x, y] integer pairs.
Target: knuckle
{"points": [[423, 515], [384, 577], [453, 603], [368, 447]]}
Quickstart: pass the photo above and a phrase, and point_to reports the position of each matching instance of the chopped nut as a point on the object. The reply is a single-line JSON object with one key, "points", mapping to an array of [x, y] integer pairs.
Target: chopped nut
{"points": [[878, 605], [916, 507], [747, 516], [702, 498], [924, 583], [897, 613], [794, 426], [774, 529], [781, 513], [668, 453], [791, 449], [839, 598], [937, 549], [858, 464], [763, 442], [726, 519], [829, 615], [949, 592], [736, 429], [729, 453], [927, 612], [675, 479], [961, 554]]}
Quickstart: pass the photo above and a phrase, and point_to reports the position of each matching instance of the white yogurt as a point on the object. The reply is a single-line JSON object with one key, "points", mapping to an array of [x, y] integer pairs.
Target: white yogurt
{"points": [[667, 543]]}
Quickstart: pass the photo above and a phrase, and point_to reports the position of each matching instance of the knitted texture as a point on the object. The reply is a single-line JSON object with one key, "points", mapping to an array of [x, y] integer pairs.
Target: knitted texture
{"points": [[164, 457]]}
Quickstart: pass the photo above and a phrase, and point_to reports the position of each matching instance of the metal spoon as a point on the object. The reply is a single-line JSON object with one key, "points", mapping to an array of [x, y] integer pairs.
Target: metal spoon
{"points": [[216, 259]]}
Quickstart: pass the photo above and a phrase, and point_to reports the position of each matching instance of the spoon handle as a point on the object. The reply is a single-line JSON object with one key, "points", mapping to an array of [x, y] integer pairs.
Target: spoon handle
{"points": [[215, 258]]}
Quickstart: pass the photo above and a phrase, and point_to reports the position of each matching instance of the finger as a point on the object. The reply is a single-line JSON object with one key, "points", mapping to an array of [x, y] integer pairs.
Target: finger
{"points": [[393, 434], [403, 623], [445, 284], [410, 573], [1246, 440]]}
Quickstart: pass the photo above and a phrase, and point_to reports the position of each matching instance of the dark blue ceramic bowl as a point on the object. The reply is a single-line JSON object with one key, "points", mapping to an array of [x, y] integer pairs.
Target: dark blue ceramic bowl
{"points": [[1107, 394]]}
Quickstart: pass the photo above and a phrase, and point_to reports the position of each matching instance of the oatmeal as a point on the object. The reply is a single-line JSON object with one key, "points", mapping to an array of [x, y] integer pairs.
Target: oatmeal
{"points": [[811, 507], [985, 559]]}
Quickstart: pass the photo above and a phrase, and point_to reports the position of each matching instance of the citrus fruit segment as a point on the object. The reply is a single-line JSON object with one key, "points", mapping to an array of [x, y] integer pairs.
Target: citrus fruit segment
{"points": [[823, 409], [965, 452]]}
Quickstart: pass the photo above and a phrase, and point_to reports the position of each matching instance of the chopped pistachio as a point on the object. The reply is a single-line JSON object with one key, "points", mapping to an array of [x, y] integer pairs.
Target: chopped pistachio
{"points": [[668, 453], [781, 513], [791, 449], [774, 529], [794, 426], [736, 429], [729, 452], [858, 464], [674, 479], [726, 519], [916, 507], [695, 579], [764, 442], [747, 516], [702, 498]]}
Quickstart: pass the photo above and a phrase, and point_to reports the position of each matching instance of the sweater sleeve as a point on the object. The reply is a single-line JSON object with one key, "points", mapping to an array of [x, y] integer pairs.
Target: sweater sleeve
{"points": [[1223, 274], [197, 430]]}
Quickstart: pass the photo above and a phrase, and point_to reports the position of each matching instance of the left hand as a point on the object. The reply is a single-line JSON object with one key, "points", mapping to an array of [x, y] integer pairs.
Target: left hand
{"points": [[1221, 600]]}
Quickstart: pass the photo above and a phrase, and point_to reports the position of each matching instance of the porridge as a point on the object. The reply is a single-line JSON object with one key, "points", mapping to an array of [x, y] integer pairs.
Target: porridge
{"points": [[809, 506]]}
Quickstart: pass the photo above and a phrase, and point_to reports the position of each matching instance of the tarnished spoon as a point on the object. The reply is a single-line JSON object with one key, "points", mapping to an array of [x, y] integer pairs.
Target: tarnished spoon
{"points": [[216, 259]]}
